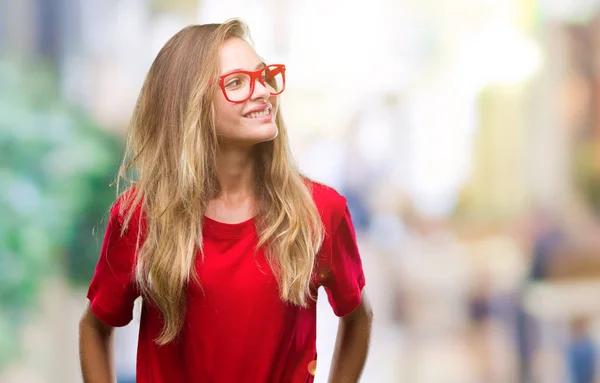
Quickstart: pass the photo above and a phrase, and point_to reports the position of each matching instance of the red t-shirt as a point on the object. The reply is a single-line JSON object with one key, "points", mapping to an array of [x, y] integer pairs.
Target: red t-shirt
{"points": [[238, 330]]}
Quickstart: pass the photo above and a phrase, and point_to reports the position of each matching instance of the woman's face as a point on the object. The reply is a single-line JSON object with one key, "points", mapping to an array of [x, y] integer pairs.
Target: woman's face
{"points": [[251, 121]]}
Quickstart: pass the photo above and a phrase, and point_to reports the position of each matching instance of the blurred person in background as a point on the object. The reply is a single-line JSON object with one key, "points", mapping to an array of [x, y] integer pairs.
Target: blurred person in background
{"points": [[581, 353], [220, 234], [547, 235]]}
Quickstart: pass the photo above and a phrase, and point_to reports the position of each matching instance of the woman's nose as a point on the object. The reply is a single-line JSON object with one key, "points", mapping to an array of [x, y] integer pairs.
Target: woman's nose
{"points": [[260, 90]]}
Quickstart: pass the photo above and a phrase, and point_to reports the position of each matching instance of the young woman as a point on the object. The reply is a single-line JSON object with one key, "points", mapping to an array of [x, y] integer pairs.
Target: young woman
{"points": [[220, 234]]}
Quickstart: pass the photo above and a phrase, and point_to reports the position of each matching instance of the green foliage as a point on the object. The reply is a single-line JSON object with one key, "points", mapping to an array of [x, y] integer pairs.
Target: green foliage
{"points": [[55, 169]]}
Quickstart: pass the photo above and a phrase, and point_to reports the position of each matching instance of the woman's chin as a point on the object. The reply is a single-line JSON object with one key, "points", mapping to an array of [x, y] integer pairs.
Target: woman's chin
{"points": [[250, 139], [266, 132]]}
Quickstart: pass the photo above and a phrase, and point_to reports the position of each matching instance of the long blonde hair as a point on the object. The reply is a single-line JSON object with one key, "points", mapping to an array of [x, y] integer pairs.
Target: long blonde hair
{"points": [[170, 169]]}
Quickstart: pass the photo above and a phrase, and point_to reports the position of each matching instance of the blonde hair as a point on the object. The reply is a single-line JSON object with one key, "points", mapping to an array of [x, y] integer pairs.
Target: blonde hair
{"points": [[171, 150]]}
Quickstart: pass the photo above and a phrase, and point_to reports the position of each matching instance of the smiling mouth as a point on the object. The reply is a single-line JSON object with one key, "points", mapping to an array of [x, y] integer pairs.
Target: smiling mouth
{"points": [[263, 113]]}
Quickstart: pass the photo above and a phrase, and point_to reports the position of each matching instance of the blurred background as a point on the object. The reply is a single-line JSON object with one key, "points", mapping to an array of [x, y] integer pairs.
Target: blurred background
{"points": [[465, 135]]}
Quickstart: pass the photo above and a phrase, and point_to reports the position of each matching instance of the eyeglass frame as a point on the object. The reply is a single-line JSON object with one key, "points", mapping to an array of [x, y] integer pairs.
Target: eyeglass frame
{"points": [[254, 75]]}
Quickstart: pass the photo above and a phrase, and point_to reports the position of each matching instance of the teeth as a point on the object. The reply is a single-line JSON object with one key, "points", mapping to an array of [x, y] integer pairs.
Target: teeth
{"points": [[265, 112]]}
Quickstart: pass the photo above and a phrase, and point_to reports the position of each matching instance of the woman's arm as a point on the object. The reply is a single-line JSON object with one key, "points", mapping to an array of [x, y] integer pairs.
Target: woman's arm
{"points": [[352, 344], [95, 349]]}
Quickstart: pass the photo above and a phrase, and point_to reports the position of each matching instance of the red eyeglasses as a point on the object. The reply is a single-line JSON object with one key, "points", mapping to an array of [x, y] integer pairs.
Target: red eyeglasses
{"points": [[238, 86]]}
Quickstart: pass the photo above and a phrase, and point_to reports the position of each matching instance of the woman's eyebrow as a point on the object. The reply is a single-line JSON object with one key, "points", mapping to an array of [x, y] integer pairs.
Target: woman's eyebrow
{"points": [[257, 67]]}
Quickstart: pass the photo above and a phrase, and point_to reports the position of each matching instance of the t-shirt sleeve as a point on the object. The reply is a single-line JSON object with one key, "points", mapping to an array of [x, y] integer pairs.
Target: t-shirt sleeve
{"points": [[346, 278], [112, 290]]}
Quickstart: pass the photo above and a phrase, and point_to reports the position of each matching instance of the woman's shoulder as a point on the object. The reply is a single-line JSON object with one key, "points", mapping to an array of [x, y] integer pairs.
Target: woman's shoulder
{"points": [[330, 203], [127, 202]]}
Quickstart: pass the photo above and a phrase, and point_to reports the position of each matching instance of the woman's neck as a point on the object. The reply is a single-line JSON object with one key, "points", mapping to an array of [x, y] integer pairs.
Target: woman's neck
{"points": [[235, 173], [235, 201]]}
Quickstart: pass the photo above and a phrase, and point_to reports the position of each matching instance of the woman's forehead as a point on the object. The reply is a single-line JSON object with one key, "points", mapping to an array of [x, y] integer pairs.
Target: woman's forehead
{"points": [[237, 54]]}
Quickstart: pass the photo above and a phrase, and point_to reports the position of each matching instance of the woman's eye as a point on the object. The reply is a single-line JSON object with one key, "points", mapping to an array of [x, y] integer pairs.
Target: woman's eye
{"points": [[233, 83]]}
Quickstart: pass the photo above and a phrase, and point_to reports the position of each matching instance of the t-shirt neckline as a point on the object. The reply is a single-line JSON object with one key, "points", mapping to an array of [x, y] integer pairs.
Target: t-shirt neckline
{"points": [[229, 230]]}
